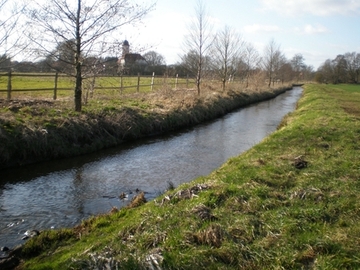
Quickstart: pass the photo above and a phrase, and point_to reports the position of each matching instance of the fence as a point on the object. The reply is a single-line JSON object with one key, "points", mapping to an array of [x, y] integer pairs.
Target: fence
{"points": [[36, 83]]}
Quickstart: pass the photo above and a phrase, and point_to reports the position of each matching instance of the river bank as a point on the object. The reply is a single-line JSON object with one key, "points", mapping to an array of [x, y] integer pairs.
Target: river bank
{"points": [[33, 131], [290, 202]]}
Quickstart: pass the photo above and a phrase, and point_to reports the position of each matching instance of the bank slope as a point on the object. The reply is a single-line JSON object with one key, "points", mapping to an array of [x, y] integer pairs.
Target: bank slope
{"points": [[34, 131], [290, 202]]}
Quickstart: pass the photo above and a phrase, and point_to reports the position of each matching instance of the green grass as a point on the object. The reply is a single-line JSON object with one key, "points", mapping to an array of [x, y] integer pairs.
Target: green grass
{"points": [[257, 211], [352, 88], [129, 84]]}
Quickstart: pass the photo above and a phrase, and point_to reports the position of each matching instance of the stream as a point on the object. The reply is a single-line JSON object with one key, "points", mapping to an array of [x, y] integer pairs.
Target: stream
{"points": [[61, 193]]}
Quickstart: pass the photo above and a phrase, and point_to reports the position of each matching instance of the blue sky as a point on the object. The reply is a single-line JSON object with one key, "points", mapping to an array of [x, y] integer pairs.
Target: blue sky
{"points": [[318, 29]]}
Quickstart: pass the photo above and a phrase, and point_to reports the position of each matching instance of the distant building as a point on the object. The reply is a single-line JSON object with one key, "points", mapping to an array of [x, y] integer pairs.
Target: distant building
{"points": [[130, 63]]}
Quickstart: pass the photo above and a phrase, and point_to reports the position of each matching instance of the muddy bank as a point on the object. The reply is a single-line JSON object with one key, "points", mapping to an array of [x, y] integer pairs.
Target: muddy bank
{"points": [[88, 132]]}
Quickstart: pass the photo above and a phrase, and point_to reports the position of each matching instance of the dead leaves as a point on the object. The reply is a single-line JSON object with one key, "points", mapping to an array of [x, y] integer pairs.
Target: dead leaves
{"points": [[300, 163], [184, 194]]}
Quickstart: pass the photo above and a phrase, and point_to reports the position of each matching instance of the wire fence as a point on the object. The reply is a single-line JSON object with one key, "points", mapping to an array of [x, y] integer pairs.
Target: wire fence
{"points": [[46, 84]]}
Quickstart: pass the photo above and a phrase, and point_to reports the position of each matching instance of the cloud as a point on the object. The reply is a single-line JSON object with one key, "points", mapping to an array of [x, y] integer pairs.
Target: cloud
{"points": [[256, 28], [312, 30], [315, 7]]}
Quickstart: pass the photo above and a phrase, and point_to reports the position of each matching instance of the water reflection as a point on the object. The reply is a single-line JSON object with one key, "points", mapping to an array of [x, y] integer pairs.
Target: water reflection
{"points": [[61, 193]]}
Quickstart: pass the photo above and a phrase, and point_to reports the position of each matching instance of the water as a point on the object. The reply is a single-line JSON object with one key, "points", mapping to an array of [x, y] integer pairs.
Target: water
{"points": [[61, 193]]}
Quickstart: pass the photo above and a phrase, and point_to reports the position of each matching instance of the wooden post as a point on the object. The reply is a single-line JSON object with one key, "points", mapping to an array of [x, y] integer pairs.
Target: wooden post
{"points": [[152, 81], [121, 84], [138, 83], [176, 81], [55, 85], [9, 86], [164, 78]]}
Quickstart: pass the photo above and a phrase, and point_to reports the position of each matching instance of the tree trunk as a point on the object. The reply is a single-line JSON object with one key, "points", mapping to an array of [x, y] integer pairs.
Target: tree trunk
{"points": [[198, 80], [78, 88], [78, 75]]}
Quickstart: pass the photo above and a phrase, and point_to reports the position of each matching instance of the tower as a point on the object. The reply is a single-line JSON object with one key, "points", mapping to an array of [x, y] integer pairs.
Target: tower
{"points": [[125, 48]]}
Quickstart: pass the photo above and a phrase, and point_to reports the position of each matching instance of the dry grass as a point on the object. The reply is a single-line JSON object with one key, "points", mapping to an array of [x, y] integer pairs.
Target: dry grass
{"points": [[51, 129], [139, 199]]}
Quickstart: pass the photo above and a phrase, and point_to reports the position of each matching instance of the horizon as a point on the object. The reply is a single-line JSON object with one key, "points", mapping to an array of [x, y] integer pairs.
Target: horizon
{"points": [[317, 29]]}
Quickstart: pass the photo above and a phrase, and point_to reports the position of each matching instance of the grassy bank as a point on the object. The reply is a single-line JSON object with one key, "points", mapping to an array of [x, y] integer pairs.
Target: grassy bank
{"points": [[291, 202], [35, 130]]}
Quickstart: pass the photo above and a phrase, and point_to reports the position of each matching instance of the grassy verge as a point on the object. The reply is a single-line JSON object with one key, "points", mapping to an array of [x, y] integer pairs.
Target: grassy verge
{"points": [[36, 130], [291, 202]]}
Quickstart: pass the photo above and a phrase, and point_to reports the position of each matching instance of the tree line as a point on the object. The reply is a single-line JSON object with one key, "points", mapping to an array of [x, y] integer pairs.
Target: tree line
{"points": [[344, 68], [226, 55]]}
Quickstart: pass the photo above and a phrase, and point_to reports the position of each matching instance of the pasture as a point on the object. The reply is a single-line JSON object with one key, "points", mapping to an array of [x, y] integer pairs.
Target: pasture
{"points": [[50, 86]]}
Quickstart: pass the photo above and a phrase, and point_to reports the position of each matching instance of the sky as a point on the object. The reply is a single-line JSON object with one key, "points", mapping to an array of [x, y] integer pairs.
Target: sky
{"points": [[317, 29]]}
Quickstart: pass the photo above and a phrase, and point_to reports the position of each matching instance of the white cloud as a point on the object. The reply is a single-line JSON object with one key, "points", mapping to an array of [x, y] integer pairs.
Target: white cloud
{"points": [[256, 28], [315, 7], [312, 30]]}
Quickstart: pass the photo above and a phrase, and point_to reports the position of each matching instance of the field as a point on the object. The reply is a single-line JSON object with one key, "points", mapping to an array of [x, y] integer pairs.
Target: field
{"points": [[39, 86]]}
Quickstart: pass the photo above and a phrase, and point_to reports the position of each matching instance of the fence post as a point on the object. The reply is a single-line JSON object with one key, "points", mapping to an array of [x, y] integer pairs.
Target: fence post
{"points": [[187, 81], [152, 81], [138, 83], [9, 86], [164, 79], [55, 85], [176, 81], [121, 84]]}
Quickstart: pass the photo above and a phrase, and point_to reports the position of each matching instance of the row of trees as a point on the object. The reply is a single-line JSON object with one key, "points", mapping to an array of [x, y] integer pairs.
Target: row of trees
{"points": [[91, 65], [344, 68], [226, 55], [77, 36]]}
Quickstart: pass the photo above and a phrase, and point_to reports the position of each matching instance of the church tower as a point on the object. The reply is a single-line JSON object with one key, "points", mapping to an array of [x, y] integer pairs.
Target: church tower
{"points": [[130, 63], [125, 48]]}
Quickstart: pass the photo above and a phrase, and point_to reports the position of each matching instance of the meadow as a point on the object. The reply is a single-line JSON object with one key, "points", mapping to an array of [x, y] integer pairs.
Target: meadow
{"points": [[41, 86]]}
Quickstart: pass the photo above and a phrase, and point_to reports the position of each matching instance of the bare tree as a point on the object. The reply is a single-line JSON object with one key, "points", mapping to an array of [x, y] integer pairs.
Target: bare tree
{"points": [[340, 69], [190, 62], [357, 67], [272, 61], [326, 72], [298, 62], [199, 39], [154, 59], [285, 72], [250, 61], [10, 13], [345, 68], [308, 73], [353, 66], [298, 65], [226, 53], [87, 26]]}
